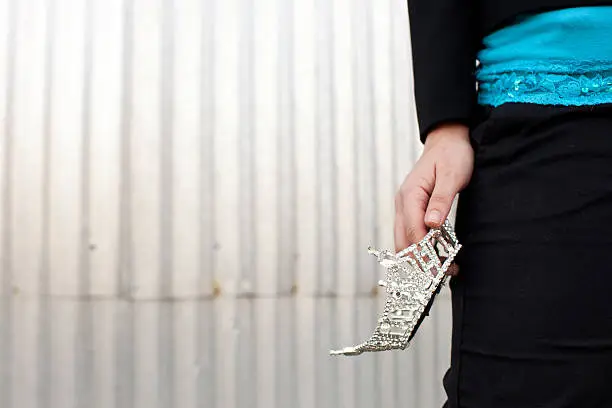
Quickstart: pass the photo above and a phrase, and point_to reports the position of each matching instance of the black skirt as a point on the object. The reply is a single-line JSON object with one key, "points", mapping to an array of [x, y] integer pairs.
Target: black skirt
{"points": [[532, 305]]}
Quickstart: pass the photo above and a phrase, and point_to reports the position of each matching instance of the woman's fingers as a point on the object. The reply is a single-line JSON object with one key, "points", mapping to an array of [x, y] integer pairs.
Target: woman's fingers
{"points": [[441, 200], [410, 205], [415, 203]]}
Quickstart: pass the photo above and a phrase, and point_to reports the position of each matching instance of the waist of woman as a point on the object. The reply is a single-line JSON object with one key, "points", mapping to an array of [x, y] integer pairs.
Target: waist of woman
{"points": [[561, 57], [550, 86]]}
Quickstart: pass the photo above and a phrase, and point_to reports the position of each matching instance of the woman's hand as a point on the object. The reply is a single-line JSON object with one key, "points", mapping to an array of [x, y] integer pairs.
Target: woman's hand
{"points": [[426, 195]]}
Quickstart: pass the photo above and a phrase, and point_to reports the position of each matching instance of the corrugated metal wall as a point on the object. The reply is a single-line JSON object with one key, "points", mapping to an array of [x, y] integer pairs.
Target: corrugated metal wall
{"points": [[187, 191]]}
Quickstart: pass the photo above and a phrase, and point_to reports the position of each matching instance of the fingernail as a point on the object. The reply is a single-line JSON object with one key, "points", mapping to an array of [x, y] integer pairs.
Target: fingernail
{"points": [[433, 217]]}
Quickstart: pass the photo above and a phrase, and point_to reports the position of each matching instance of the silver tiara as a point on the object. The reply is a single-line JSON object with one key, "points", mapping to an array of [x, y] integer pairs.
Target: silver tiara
{"points": [[414, 276]]}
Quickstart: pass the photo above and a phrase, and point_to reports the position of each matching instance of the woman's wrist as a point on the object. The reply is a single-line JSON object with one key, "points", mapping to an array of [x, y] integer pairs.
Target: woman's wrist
{"points": [[449, 131]]}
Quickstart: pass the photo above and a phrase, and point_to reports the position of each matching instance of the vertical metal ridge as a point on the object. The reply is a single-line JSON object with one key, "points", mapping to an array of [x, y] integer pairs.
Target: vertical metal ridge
{"points": [[124, 329], [326, 381], [392, 87], [286, 160], [437, 335], [366, 383], [364, 145], [246, 364], [396, 373], [327, 230], [305, 68], [206, 323], [399, 137], [84, 258], [207, 147], [372, 113], [319, 4], [370, 170], [416, 379], [286, 333], [444, 335], [124, 359], [124, 270], [84, 366], [47, 141], [267, 350], [166, 117], [6, 263], [394, 152], [246, 141], [305, 343], [84, 331], [44, 278], [357, 146], [435, 355], [45, 325], [410, 83], [348, 333], [320, 323], [166, 353], [206, 357], [165, 315], [7, 159]]}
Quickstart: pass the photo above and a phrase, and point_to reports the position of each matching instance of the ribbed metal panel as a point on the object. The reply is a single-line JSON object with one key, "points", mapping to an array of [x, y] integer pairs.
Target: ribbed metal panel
{"points": [[187, 191]]}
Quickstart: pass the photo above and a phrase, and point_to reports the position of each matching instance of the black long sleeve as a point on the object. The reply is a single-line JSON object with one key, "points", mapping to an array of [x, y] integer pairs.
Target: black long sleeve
{"points": [[443, 36]]}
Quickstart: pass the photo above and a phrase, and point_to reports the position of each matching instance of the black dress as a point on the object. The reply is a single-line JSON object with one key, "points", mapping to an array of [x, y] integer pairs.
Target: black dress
{"points": [[532, 306]]}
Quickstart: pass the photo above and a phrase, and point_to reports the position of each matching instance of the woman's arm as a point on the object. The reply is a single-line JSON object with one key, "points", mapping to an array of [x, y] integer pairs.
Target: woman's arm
{"points": [[444, 59], [443, 35]]}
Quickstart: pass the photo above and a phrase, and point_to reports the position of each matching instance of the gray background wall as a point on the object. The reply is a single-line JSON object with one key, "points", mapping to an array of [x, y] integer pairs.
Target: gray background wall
{"points": [[187, 192]]}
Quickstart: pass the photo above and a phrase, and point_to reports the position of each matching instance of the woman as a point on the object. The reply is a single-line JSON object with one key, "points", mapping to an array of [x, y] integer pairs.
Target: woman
{"points": [[526, 137]]}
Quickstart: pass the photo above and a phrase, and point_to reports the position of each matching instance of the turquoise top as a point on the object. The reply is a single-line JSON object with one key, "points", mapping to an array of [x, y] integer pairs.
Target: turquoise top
{"points": [[561, 57]]}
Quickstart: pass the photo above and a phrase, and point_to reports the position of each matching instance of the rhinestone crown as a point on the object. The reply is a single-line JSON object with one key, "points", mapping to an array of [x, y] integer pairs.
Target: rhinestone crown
{"points": [[413, 277]]}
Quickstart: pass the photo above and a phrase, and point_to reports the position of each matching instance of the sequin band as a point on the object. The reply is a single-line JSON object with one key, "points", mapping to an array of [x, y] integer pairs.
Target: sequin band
{"points": [[546, 89]]}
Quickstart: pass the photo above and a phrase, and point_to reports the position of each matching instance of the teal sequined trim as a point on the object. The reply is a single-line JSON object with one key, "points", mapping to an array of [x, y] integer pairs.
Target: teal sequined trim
{"points": [[546, 88], [557, 57]]}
